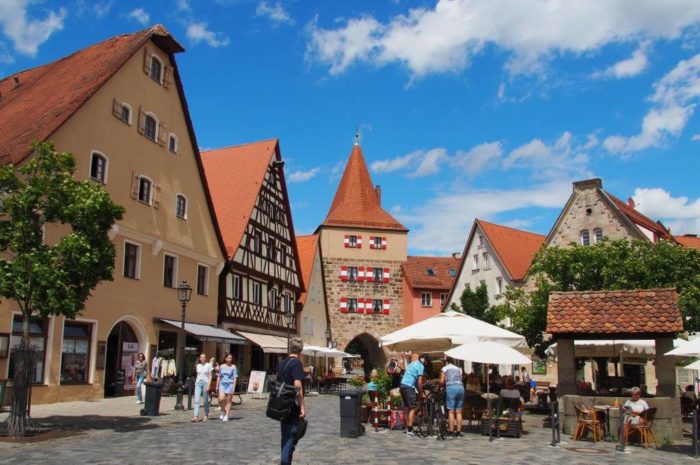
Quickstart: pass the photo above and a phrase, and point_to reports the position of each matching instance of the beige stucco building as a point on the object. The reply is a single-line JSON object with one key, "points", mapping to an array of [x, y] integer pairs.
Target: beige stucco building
{"points": [[119, 107]]}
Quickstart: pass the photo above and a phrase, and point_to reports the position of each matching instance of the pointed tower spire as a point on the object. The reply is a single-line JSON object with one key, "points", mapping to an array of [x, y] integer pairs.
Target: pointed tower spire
{"points": [[356, 203]]}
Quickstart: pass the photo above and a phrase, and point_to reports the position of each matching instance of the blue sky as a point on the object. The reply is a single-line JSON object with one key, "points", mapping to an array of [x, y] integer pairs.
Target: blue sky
{"points": [[466, 109]]}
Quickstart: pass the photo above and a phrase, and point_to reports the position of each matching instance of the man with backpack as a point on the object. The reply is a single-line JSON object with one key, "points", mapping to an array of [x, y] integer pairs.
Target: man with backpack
{"points": [[291, 372]]}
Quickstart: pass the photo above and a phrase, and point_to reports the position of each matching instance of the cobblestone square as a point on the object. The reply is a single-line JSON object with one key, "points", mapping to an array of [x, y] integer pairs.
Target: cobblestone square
{"points": [[252, 439]]}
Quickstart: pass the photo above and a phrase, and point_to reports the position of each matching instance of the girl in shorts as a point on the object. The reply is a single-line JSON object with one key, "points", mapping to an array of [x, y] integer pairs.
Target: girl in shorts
{"points": [[226, 384]]}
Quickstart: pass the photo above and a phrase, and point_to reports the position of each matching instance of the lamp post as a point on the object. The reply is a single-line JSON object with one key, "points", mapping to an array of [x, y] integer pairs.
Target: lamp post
{"points": [[289, 321], [184, 293]]}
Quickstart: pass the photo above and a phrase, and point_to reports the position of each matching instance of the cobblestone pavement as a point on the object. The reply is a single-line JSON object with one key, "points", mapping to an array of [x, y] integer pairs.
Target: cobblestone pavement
{"points": [[252, 439]]}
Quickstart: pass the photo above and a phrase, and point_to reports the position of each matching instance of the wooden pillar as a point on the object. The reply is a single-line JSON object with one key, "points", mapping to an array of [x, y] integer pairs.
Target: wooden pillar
{"points": [[665, 368], [566, 367]]}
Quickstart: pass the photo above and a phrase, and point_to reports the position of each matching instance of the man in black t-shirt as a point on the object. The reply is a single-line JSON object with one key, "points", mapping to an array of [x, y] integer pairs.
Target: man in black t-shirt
{"points": [[291, 371]]}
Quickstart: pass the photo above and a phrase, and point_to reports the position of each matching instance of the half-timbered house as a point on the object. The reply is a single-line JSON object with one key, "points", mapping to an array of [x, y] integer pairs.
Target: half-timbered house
{"points": [[262, 280]]}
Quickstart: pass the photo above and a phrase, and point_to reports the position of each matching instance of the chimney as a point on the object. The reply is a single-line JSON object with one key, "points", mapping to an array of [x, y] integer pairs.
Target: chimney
{"points": [[456, 255], [16, 81], [378, 193], [630, 202], [690, 235]]}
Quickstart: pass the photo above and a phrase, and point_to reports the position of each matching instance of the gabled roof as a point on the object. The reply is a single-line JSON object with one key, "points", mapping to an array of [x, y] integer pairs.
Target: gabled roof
{"points": [[641, 220], [235, 176], [356, 204], [689, 240], [515, 248], [36, 102], [306, 248], [624, 312], [415, 271]]}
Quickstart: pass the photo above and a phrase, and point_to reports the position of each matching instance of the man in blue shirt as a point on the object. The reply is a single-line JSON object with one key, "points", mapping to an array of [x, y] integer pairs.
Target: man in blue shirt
{"points": [[411, 381]]}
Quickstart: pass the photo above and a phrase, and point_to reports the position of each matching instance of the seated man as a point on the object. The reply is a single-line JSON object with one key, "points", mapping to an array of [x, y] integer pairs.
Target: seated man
{"points": [[635, 407], [509, 391], [690, 392]]}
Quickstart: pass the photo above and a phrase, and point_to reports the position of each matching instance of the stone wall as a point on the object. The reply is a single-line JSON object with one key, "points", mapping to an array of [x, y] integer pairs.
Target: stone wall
{"points": [[346, 326]]}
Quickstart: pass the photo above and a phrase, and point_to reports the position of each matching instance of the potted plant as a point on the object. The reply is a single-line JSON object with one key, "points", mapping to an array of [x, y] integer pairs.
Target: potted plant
{"points": [[366, 406]]}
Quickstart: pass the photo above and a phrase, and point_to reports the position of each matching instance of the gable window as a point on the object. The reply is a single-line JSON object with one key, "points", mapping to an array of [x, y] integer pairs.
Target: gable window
{"points": [[598, 234], [150, 128], [377, 275], [272, 299], [202, 280], [426, 299], [585, 237], [156, 69], [481, 239], [430, 271], [236, 287], [98, 167], [75, 355], [132, 258], [377, 305], [476, 261], [38, 329], [169, 271], [272, 249], [181, 206], [145, 190], [443, 298], [352, 274], [257, 288], [172, 143], [499, 285], [486, 259], [352, 305]]}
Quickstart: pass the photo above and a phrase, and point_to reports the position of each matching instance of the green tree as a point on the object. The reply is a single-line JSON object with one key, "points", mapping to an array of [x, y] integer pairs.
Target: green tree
{"points": [[607, 265], [475, 303], [54, 278]]}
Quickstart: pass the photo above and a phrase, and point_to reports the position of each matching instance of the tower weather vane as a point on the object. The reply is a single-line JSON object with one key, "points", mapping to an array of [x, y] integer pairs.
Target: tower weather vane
{"points": [[357, 136]]}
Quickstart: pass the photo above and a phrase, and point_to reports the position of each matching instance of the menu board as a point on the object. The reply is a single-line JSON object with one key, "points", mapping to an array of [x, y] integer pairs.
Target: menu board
{"points": [[130, 351], [256, 384]]}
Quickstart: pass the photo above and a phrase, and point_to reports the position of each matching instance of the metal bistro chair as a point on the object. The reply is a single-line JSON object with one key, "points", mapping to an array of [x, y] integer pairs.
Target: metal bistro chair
{"points": [[643, 428], [473, 411], [686, 406], [586, 420]]}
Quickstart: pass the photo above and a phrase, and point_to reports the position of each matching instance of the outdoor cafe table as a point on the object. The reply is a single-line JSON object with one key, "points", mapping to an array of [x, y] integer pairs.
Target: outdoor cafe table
{"points": [[608, 409]]}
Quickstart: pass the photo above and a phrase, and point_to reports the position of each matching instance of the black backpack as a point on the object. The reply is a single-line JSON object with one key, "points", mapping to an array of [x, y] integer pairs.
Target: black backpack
{"points": [[282, 400]]}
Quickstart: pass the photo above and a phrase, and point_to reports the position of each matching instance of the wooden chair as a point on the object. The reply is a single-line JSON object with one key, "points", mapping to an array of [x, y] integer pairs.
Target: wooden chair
{"points": [[643, 428], [587, 420]]}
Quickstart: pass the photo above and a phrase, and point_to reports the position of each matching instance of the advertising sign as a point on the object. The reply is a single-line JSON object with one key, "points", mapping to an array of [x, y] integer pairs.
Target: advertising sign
{"points": [[256, 385], [129, 353]]}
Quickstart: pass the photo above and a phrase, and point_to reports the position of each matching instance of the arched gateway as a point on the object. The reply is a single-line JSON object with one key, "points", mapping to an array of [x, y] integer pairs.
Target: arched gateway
{"points": [[367, 347]]}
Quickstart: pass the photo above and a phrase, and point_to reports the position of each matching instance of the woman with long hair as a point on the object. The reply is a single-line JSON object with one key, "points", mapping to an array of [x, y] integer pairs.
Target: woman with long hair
{"points": [[140, 372], [201, 387], [226, 384]]}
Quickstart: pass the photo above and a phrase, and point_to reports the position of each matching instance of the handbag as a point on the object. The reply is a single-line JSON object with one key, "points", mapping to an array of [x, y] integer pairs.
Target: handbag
{"points": [[301, 430], [282, 400]]}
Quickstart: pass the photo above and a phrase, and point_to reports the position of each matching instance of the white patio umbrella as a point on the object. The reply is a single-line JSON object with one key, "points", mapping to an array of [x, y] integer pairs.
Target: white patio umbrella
{"points": [[492, 353], [691, 348], [693, 366], [446, 330]]}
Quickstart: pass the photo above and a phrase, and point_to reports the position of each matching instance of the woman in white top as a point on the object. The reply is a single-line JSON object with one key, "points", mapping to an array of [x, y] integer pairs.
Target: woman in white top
{"points": [[451, 379], [201, 387], [635, 407]]}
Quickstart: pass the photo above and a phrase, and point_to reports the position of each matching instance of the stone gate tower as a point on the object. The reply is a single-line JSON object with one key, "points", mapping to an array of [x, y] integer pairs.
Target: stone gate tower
{"points": [[362, 249]]}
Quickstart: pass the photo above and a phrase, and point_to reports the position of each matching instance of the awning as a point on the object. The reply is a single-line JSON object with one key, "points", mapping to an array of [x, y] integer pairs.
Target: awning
{"points": [[206, 333], [269, 343]]}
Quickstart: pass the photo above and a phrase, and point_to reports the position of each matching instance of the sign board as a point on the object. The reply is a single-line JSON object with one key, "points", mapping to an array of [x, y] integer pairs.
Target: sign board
{"points": [[129, 353], [256, 384]]}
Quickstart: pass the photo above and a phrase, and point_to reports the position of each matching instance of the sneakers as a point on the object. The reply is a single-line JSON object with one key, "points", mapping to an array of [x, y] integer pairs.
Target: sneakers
{"points": [[138, 401], [458, 434], [410, 433], [206, 418], [221, 417], [225, 418]]}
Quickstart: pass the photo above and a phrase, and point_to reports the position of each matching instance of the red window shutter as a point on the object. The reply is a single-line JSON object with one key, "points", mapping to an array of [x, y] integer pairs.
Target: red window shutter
{"points": [[360, 305], [360, 274], [387, 275], [359, 242], [371, 242], [343, 273], [386, 308], [383, 243], [369, 275], [343, 305], [347, 241]]}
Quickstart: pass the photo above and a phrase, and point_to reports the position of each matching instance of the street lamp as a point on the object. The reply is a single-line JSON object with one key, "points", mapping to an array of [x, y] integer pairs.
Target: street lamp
{"points": [[184, 293], [328, 337], [289, 321]]}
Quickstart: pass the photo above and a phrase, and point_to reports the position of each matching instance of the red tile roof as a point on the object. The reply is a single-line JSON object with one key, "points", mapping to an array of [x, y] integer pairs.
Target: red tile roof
{"points": [[306, 248], [689, 240], [627, 312], [47, 96], [515, 248], [355, 203], [640, 219], [234, 176], [416, 274]]}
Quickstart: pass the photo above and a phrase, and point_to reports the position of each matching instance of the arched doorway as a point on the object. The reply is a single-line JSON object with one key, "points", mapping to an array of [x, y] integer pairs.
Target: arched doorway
{"points": [[367, 347], [122, 347]]}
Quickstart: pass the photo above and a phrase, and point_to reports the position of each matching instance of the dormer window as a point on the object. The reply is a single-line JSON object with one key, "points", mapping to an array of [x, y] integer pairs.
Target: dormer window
{"points": [[430, 272], [172, 143], [156, 69], [452, 272], [585, 238]]}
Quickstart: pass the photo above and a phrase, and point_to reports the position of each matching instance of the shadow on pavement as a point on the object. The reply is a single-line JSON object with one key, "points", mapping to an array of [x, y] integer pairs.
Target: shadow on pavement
{"points": [[86, 423]]}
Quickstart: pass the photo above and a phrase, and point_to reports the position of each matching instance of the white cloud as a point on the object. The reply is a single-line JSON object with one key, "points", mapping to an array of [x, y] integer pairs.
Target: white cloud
{"points": [[275, 13], [560, 159], [441, 224], [674, 100], [478, 158], [303, 176], [395, 164], [139, 15], [28, 33], [183, 5], [695, 137], [446, 37], [680, 213], [102, 8], [629, 67], [198, 32]]}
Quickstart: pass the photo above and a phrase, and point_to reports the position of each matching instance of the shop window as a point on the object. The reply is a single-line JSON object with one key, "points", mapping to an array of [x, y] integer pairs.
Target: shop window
{"points": [[75, 355], [169, 271], [202, 280], [426, 299], [38, 329]]}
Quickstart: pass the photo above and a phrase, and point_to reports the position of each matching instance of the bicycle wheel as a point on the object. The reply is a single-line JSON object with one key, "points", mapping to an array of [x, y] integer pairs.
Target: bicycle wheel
{"points": [[233, 399], [430, 416], [214, 400], [441, 422], [422, 423]]}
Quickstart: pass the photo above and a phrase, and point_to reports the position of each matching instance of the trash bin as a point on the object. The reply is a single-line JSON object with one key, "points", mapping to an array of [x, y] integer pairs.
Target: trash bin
{"points": [[151, 406], [350, 403]]}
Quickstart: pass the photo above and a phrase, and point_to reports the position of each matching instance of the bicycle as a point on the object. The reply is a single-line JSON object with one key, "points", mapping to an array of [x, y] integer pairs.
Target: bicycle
{"points": [[439, 418]]}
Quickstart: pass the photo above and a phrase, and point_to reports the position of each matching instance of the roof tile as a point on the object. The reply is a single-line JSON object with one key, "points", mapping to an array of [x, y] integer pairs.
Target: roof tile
{"points": [[415, 272], [514, 247], [306, 248]]}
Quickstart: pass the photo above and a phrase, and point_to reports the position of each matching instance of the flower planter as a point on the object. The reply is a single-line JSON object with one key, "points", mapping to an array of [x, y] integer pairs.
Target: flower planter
{"points": [[507, 427]]}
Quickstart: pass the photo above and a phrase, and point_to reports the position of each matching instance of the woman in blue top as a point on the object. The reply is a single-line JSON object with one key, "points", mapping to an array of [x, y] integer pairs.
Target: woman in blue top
{"points": [[226, 384], [451, 378]]}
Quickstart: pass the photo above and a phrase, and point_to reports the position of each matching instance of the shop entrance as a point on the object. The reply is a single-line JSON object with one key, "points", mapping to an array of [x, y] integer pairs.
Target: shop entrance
{"points": [[122, 348], [367, 347]]}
